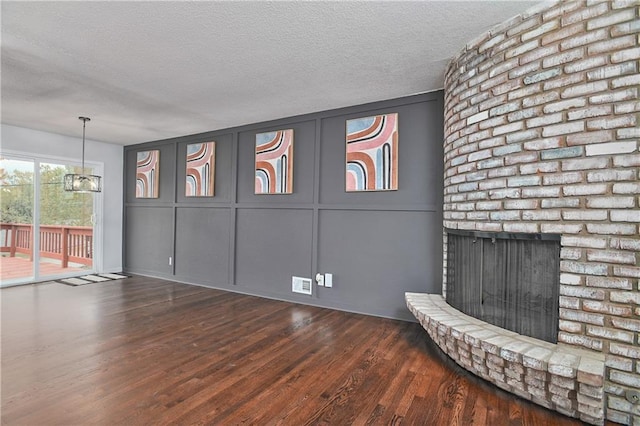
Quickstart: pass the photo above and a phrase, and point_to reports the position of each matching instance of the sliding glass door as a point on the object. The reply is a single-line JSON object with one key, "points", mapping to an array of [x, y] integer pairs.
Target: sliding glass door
{"points": [[16, 219], [66, 224], [37, 212]]}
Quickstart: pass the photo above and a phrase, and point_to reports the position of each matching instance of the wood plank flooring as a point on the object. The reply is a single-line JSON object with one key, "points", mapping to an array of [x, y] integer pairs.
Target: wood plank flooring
{"points": [[146, 351]]}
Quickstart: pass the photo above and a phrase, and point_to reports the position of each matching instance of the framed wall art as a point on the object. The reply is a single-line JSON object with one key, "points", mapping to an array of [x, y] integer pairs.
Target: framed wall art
{"points": [[274, 162], [147, 173], [201, 167], [372, 153]]}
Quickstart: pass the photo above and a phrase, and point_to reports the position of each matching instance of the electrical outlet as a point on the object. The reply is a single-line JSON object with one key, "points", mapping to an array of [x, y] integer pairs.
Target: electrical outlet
{"points": [[170, 260], [320, 279]]}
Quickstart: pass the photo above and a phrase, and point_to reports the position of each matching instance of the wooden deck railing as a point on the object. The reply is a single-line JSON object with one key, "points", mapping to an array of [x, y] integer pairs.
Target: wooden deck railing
{"points": [[65, 243]]}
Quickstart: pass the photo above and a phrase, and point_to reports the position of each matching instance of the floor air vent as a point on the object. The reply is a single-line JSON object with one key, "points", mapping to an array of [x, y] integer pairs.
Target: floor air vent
{"points": [[301, 285]]}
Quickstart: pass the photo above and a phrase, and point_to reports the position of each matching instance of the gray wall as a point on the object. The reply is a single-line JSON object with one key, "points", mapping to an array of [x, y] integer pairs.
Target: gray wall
{"points": [[377, 244]]}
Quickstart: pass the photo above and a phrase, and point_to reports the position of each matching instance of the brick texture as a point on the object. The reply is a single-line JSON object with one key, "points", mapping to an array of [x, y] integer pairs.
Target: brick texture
{"points": [[549, 143], [555, 376]]}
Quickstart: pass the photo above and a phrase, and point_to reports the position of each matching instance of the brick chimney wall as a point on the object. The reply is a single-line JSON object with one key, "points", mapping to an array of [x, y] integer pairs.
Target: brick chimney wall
{"points": [[542, 136]]}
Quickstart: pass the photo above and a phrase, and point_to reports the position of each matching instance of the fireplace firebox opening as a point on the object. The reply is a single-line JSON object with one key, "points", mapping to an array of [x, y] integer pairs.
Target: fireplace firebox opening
{"points": [[510, 280]]}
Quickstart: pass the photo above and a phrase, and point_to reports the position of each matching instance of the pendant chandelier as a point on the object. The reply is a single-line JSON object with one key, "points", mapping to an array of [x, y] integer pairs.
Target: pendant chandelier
{"points": [[82, 182]]}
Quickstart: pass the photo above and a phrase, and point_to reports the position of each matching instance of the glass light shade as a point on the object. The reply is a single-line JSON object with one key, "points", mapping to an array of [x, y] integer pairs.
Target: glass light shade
{"points": [[82, 183]]}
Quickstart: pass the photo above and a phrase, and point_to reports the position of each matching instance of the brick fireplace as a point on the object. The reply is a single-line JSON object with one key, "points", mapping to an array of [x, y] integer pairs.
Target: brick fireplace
{"points": [[541, 136]]}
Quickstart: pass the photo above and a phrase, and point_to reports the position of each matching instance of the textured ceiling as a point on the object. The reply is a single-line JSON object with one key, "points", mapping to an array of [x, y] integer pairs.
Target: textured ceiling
{"points": [[153, 70]]}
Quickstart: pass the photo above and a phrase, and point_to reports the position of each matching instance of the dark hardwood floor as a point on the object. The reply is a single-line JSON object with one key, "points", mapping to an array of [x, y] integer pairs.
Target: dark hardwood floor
{"points": [[147, 351]]}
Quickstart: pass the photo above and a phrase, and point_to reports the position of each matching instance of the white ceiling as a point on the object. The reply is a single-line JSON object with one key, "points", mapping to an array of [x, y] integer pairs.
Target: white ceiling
{"points": [[152, 70]]}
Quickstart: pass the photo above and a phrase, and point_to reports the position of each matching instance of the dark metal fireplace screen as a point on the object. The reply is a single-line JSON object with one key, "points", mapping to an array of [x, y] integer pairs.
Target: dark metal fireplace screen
{"points": [[506, 279]]}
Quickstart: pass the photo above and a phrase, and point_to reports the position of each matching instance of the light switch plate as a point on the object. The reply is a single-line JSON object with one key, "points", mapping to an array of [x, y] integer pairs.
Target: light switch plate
{"points": [[328, 280]]}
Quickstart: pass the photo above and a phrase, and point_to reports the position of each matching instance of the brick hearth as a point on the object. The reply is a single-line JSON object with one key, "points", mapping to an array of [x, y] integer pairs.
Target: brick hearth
{"points": [[559, 377]]}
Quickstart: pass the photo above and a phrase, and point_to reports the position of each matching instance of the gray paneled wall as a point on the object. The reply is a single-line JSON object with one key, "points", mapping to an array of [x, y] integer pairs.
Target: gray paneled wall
{"points": [[377, 244]]}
